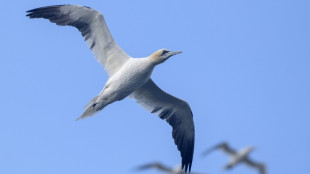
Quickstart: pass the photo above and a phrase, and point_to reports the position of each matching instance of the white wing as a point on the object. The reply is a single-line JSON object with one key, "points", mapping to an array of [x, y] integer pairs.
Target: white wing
{"points": [[93, 28], [176, 112]]}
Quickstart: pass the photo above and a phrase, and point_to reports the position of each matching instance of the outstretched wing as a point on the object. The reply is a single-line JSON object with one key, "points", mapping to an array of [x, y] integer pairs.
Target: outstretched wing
{"points": [[224, 146], [176, 112], [93, 28], [259, 166], [156, 165]]}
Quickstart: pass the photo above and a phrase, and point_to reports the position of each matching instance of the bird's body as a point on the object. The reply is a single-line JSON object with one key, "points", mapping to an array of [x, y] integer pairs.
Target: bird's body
{"points": [[131, 76], [128, 77], [238, 157]]}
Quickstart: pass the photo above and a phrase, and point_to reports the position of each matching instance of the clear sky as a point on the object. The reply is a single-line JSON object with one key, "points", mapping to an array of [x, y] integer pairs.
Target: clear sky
{"points": [[244, 71]]}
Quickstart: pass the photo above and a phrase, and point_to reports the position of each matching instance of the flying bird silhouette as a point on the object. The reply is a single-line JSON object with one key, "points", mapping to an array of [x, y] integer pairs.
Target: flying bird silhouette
{"points": [[128, 77], [163, 168], [241, 156]]}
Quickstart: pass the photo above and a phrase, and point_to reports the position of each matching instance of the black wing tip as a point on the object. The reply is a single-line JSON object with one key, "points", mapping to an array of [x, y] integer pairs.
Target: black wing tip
{"points": [[187, 158], [187, 164], [140, 168], [33, 12], [145, 166], [38, 12], [148, 166], [186, 148], [51, 7], [187, 167], [45, 8]]}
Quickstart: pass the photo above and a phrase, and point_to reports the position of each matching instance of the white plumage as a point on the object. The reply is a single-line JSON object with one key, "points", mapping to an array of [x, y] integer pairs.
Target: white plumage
{"points": [[127, 76]]}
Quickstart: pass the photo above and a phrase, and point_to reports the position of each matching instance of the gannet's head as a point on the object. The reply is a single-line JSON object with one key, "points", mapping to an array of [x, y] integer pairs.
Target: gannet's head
{"points": [[249, 149], [162, 55]]}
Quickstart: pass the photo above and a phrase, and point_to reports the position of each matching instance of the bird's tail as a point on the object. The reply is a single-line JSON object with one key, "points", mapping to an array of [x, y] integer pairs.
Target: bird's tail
{"points": [[91, 108]]}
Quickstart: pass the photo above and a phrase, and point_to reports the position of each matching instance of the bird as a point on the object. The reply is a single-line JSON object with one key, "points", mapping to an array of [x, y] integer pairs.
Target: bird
{"points": [[241, 156], [128, 77], [163, 168]]}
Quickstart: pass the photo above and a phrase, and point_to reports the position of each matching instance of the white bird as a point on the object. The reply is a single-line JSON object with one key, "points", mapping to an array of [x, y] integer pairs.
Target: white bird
{"points": [[128, 77], [163, 168], [237, 157]]}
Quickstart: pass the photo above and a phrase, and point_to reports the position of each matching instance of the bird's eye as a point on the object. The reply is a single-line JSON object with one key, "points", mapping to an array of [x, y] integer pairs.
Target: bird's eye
{"points": [[164, 52]]}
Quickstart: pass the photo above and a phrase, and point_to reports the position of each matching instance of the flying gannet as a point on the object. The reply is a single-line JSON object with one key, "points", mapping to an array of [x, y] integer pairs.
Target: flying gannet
{"points": [[163, 168], [241, 156], [128, 77]]}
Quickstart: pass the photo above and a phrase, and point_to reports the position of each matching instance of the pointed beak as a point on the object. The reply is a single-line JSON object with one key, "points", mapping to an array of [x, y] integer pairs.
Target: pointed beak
{"points": [[172, 53], [176, 52]]}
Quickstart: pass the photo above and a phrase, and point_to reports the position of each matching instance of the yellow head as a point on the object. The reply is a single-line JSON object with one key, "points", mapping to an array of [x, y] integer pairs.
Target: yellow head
{"points": [[162, 55]]}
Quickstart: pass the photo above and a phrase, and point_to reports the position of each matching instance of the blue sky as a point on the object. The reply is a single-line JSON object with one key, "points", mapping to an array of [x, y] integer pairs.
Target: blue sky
{"points": [[244, 71]]}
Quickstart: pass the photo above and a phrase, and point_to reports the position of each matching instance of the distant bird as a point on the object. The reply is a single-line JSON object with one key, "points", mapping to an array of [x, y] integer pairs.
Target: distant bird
{"points": [[238, 157], [128, 77], [163, 168]]}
